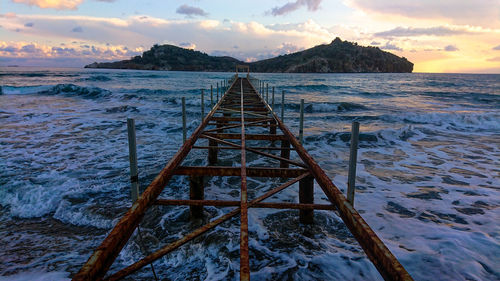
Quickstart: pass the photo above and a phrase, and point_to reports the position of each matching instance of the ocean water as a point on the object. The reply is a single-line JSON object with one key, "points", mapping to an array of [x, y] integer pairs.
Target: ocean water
{"points": [[428, 177]]}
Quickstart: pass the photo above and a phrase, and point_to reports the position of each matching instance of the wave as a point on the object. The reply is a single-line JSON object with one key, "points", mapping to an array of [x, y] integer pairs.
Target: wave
{"points": [[123, 108], [327, 107], [23, 90], [100, 78], [75, 90], [455, 121], [31, 74]]}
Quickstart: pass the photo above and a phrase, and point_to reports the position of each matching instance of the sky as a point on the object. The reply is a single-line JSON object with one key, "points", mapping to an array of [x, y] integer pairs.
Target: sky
{"points": [[451, 36]]}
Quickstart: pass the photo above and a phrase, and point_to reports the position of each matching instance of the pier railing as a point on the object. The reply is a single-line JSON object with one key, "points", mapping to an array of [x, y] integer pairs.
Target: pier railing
{"points": [[245, 105]]}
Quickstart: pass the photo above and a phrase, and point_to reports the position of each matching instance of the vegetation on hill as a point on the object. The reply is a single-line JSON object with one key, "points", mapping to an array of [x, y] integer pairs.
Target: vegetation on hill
{"points": [[338, 56]]}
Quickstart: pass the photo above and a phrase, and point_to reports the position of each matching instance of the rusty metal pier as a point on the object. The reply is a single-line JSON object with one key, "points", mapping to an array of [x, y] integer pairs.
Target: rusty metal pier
{"points": [[241, 121]]}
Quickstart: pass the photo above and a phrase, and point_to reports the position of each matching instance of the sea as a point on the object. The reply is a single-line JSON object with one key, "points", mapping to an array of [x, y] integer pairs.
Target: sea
{"points": [[428, 174]]}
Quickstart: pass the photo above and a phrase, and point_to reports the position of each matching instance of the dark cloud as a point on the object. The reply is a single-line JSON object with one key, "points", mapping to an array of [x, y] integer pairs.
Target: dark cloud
{"points": [[64, 51], [312, 5], [29, 24], [9, 49], [185, 44], [497, 48], [411, 31], [191, 11], [31, 48], [390, 46], [77, 29], [375, 43], [450, 48]]}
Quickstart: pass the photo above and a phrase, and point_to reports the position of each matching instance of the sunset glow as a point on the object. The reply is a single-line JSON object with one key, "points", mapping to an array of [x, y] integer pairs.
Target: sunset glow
{"points": [[437, 36]]}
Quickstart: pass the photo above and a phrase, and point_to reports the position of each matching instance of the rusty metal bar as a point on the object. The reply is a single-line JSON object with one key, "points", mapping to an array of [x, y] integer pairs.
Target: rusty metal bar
{"points": [[228, 119], [282, 159], [247, 136], [236, 171], [222, 203], [244, 258], [169, 248], [233, 126], [237, 148]]}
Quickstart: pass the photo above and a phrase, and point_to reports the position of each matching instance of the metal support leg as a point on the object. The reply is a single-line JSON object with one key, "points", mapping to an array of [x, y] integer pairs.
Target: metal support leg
{"points": [[212, 152], [196, 192], [285, 153], [306, 196]]}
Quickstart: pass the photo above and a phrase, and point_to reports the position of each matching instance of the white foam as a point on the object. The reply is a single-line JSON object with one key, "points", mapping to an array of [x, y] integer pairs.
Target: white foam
{"points": [[37, 276]]}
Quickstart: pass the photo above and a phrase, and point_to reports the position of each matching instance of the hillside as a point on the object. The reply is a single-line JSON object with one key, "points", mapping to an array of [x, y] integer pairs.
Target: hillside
{"points": [[338, 56]]}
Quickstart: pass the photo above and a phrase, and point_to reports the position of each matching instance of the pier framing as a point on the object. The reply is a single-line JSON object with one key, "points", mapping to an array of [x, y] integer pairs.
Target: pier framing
{"points": [[227, 127]]}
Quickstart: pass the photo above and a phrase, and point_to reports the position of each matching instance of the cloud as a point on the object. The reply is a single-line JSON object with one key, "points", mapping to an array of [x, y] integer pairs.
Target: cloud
{"points": [[77, 29], [253, 39], [495, 59], [484, 12], [427, 31], [312, 5], [188, 45], [52, 4], [390, 46], [29, 24], [191, 11], [375, 43], [497, 48], [24, 50], [451, 48]]}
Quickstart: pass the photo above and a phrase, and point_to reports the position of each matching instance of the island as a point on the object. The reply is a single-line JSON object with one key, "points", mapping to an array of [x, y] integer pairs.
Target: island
{"points": [[338, 56]]}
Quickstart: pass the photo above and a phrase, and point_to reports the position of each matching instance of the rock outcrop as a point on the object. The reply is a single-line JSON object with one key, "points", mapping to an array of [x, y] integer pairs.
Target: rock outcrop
{"points": [[338, 56]]}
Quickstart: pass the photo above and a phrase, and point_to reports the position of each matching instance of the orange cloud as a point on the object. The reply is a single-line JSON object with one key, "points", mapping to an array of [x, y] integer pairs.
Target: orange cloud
{"points": [[52, 4]]}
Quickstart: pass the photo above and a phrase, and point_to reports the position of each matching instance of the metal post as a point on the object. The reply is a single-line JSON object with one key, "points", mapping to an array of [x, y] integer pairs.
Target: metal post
{"points": [[306, 196], [351, 178], [202, 105], [285, 153], [272, 101], [283, 106], [196, 192], [212, 152], [211, 96], [301, 122], [132, 153], [183, 119], [267, 93]]}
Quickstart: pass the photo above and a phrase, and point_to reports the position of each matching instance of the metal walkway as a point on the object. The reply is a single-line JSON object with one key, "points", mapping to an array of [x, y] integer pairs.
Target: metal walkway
{"points": [[243, 122]]}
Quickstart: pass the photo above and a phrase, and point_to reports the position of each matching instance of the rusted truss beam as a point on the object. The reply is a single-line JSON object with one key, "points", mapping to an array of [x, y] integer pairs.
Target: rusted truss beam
{"points": [[244, 255], [229, 119], [247, 136], [241, 106], [222, 203], [259, 152], [237, 148], [264, 172], [190, 236], [235, 126]]}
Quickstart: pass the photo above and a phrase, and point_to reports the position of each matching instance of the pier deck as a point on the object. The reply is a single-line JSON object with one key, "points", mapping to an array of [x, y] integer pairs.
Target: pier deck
{"points": [[241, 122]]}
